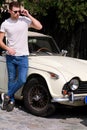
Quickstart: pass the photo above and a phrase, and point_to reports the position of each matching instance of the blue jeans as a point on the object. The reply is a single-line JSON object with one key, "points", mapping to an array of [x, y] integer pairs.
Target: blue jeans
{"points": [[17, 67]]}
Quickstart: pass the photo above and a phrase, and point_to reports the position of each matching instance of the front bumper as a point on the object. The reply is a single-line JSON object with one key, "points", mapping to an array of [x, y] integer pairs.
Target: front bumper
{"points": [[70, 99]]}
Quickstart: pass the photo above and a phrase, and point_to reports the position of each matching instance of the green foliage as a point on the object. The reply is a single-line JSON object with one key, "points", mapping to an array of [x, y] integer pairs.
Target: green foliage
{"points": [[1, 2], [68, 12], [39, 7]]}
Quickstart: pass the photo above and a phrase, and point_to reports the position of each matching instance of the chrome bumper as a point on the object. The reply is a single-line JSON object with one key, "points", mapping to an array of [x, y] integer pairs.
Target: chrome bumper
{"points": [[71, 98]]}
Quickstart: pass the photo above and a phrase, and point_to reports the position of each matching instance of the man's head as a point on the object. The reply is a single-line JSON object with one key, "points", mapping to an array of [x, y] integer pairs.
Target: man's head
{"points": [[14, 9], [14, 4]]}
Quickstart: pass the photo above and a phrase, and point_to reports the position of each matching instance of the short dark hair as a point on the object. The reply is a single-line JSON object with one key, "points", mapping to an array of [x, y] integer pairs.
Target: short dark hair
{"points": [[14, 4]]}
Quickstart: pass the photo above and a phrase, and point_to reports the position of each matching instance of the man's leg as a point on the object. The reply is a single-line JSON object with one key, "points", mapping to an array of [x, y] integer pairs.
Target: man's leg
{"points": [[20, 74], [22, 68], [11, 78]]}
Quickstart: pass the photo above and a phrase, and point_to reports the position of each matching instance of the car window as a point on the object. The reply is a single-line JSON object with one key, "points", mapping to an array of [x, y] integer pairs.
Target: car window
{"points": [[36, 43]]}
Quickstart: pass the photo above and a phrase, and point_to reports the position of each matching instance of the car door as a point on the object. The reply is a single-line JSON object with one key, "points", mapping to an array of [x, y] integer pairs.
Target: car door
{"points": [[3, 74]]}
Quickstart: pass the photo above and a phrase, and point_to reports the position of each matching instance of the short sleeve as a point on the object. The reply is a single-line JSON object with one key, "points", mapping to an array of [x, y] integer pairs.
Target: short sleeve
{"points": [[27, 20], [2, 27]]}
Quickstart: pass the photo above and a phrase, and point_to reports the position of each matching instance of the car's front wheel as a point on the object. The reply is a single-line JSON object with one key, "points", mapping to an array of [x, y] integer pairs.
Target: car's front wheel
{"points": [[37, 98]]}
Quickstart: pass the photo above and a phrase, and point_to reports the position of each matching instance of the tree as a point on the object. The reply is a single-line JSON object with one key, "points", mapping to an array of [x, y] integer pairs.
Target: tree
{"points": [[2, 2], [63, 19], [68, 12]]}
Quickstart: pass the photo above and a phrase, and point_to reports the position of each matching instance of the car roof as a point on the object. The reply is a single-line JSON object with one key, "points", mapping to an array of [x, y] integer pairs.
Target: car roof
{"points": [[36, 34]]}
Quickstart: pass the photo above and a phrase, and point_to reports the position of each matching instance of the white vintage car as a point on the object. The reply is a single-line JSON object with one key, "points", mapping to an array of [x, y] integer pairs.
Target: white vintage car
{"points": [[52, 77]]}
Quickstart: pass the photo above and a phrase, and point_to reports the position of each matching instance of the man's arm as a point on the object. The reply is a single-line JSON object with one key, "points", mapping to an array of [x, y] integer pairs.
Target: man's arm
{"points": [[5, 47], [35, 23]]}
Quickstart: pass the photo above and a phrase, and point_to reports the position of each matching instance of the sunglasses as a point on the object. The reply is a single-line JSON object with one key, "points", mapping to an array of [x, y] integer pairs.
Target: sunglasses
{"points": [[18, 11]]}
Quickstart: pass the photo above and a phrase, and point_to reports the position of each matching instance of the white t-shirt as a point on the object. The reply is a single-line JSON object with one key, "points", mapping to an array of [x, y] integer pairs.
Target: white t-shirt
{"points": [[17, 34]]}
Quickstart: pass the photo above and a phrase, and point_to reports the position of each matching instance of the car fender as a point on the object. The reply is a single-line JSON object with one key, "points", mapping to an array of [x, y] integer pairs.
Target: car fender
{"points": [[55, 84]]}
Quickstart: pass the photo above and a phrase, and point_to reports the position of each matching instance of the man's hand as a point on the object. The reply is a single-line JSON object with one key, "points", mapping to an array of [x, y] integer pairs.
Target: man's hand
{"points": [[11, 51], [24, 12]]}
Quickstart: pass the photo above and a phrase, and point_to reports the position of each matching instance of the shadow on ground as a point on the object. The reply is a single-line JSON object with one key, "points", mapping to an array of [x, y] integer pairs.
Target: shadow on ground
{"points": [[66, 112], [62, 112]]}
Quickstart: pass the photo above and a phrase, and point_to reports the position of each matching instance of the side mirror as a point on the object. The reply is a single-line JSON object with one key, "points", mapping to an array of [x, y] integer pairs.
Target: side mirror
{"points": [[64, 52]]}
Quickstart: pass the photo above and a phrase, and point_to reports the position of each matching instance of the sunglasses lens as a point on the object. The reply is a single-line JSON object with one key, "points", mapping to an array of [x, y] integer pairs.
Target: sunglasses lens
{"points": [[16, 11]]}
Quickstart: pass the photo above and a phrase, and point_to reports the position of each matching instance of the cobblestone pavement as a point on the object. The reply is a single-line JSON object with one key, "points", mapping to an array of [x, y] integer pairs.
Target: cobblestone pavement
{"points": [[65, 119]]}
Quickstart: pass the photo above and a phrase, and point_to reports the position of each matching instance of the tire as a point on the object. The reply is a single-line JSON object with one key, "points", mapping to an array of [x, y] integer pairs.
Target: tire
{"points": [[37, 98]]}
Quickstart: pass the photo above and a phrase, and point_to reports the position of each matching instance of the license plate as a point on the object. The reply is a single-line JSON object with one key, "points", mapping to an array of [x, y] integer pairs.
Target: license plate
{"points": [[85, 99]]}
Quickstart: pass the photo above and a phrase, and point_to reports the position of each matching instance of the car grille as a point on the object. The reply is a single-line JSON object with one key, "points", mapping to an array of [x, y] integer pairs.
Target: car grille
{"points": [[82, 88]]}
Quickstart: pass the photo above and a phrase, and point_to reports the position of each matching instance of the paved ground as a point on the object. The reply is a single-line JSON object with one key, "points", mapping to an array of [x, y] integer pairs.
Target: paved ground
{"points": [[64, 119]]}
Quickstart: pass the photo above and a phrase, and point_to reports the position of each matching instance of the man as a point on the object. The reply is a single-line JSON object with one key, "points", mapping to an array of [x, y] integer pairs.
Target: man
{"points": [[16, 30]]}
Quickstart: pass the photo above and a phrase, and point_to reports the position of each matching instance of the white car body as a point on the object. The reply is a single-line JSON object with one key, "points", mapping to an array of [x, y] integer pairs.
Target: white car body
{"points": [[57, 71]]}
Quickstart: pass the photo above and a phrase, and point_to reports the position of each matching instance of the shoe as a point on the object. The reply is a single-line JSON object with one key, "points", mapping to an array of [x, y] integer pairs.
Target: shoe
{"points": [[5, 101], [10, 106]]}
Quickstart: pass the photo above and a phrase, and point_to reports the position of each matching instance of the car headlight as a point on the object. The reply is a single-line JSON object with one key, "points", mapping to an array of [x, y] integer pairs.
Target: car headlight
{"points": [[74, 84]]}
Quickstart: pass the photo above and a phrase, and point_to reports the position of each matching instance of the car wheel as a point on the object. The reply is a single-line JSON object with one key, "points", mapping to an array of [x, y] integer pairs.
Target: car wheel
{"points": [[37, 98]]}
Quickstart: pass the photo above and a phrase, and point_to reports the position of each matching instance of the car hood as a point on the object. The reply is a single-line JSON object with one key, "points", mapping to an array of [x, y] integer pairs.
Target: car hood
{"points": [[68, 67]]}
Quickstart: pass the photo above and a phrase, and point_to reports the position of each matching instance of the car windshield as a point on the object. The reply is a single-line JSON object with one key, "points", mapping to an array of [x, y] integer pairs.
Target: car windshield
{"points": [[42, 45]]}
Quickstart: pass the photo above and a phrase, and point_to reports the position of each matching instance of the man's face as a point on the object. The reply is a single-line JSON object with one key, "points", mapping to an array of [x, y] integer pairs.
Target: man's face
{"points": [[15, 12]]}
